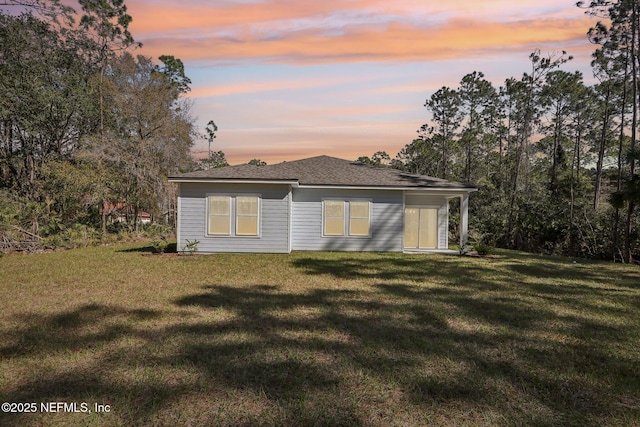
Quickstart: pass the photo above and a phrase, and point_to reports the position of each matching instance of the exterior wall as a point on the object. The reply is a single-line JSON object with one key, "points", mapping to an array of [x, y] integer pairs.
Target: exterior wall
{"points": [[274, 218], [386, 221], [434, 201]]}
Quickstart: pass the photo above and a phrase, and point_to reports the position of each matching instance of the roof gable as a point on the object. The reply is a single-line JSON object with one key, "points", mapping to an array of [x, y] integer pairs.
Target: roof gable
{"points": [[322, 171]]}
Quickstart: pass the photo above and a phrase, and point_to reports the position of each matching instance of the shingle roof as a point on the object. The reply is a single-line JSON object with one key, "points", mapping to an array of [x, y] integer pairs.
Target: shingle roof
{"points": [[322, 171]]}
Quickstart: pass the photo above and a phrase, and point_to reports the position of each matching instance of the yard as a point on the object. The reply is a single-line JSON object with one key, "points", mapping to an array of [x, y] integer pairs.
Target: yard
{"points": [[314, 338]]}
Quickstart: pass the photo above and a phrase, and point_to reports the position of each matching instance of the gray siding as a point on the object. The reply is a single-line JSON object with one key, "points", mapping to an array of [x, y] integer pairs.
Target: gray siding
{"points": [[274, 218], [386, 221]]}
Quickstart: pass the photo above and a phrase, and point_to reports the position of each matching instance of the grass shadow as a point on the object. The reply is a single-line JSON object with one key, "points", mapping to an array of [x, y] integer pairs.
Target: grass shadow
{"points": [[171, 248], [384, 340]]}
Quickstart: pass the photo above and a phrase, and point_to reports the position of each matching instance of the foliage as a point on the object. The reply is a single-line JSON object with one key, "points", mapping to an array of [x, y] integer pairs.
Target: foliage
{"points": [[215, 160], [76, 236], [529, 147], [379, 158], [257, 162], [160, 245], [84, 125], [483, 248], [153, 230], [190, 247], [482, 244]]}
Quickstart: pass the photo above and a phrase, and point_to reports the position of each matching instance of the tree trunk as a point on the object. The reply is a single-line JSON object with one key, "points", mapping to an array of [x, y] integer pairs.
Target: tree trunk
{"points": [[603, 138], [634, 123], [623, 113], [104, 217]]}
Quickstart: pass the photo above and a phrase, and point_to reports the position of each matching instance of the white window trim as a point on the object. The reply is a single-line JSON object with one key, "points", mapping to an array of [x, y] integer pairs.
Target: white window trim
{"points": [[347, 217], [238, 216], [233, 216], [209, 214], [324, 217]]}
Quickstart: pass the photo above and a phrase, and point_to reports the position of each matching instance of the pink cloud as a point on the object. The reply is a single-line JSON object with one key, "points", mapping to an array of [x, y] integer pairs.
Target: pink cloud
{"points": [[392, 42]]}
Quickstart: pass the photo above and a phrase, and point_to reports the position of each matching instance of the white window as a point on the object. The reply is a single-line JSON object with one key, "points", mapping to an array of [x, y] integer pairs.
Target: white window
{"points": [[346, 218], [219, 223], [334, 217], [358, 218], [246, 216], [233, 215]]}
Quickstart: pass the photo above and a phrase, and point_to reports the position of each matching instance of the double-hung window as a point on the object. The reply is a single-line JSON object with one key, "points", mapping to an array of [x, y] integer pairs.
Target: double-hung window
{"points": [[358, 218], [346, 218], [233, 215], [247, 216], [219, 221], [334, 217]]}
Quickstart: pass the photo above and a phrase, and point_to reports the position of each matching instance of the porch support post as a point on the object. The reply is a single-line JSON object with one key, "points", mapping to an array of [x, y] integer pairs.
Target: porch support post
{"points": [[464, 223]]}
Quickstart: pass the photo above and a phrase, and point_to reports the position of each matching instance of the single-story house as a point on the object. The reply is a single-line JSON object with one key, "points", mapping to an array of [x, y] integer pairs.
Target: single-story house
{"points": [[319, 203]]}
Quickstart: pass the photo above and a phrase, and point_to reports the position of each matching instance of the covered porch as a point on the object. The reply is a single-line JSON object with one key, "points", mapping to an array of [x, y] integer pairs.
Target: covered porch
{"points": [[426, 222]]}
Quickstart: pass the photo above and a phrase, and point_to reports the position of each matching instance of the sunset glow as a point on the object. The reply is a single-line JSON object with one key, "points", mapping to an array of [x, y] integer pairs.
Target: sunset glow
{"points": [[286, 79]]}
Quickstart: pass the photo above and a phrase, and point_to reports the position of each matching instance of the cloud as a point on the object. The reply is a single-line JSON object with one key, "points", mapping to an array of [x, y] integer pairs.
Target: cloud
{"points": [[267, 86], [394, 41], [379, 60], [153, 16]]}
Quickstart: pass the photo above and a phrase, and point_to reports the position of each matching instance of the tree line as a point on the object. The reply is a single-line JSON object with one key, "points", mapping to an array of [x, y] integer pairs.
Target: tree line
{"points": [[555, 159], [89, 130]]}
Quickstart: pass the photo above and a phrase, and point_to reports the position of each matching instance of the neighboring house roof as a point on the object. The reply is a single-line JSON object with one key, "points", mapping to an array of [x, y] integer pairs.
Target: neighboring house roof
{"points": [[323, 171]]}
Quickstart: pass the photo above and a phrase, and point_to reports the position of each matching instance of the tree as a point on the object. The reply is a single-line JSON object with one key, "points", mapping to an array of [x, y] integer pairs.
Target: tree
{"points": [[560, 96], [211, 130], [173, 68], [421, 156], [44, 99], [215, 160], [257, 162], [621, 34], [82, 126], [611, 70], [444, 105], [146, 136], [379, 158], [50, 11], [525, 114], [478, 103], [106, 22]]}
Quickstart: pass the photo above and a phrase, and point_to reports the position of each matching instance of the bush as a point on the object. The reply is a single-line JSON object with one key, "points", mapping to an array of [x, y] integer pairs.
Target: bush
{"points": [[159, 246], [190, 247], [483, 244], [77, 235], [153, 230], [483, 248]]}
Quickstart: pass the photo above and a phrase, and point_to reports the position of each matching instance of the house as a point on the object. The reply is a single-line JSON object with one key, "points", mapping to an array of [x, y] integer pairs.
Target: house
{"points": [[121, 212], [319, 203]]}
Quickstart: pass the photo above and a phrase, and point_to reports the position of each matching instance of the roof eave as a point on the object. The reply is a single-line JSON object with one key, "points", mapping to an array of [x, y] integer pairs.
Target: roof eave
{"points": [[206, 180], [393, 188]]}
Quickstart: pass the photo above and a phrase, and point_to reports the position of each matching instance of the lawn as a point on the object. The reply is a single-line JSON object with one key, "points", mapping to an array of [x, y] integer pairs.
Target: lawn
{"points": [[311, 338]]}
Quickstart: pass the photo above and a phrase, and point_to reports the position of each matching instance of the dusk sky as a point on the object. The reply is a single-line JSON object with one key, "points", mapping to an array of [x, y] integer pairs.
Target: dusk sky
{"points": [[287, 79]]}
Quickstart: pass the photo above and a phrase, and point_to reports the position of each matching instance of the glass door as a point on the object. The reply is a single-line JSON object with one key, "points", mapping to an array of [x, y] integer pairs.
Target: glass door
{"points": [[421, 228]]}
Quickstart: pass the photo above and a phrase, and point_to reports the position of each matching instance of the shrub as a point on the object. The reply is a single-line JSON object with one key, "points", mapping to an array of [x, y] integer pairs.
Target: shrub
{"points": [[191, 246], [483, 248], [151, 230], [79, 235], [483, 244], [159, 246]]}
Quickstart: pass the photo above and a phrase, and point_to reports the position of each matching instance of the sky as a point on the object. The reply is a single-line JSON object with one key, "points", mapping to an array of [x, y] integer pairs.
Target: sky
{"points": [[289, 79]]}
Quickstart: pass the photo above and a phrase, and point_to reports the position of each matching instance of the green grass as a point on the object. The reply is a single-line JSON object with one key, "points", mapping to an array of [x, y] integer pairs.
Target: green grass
{"points": [[311, 338]]}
